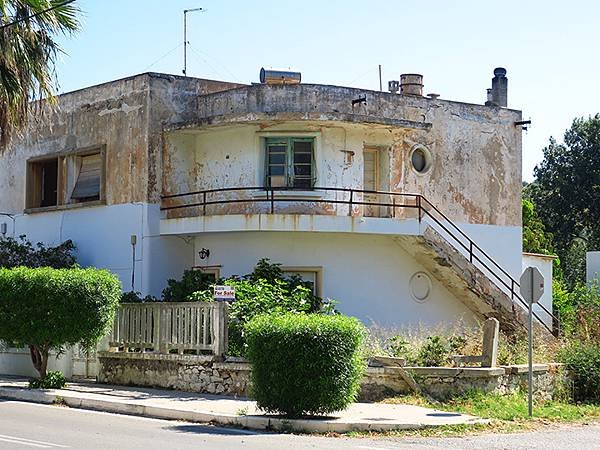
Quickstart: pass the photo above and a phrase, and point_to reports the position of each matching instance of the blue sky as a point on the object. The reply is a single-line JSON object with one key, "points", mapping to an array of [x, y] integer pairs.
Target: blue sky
{"points": [[548, 47]]}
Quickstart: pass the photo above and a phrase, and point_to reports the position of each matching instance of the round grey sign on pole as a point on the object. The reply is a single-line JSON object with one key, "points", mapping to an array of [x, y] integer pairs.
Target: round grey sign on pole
{"points": [[532, 285]]}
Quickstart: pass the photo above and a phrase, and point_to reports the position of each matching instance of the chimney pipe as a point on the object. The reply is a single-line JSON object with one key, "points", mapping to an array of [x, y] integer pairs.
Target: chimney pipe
{"points": [[499, 87], [411, 84]]}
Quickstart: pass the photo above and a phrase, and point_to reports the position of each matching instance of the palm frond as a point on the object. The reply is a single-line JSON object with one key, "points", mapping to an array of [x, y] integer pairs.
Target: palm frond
{"points": [[27, 57]]}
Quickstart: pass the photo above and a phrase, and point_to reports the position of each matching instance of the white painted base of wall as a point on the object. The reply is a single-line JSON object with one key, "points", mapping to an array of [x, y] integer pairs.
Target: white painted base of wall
{"points": [[368, 274], [18, 362], [102, 235]]}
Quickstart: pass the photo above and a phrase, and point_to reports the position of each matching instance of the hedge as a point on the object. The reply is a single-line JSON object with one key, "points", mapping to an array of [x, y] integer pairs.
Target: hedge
{"points": [[305, 364]]}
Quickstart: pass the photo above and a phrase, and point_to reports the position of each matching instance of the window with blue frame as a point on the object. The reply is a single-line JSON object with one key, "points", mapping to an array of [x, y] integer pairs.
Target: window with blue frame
{"points": [[290, 163]]}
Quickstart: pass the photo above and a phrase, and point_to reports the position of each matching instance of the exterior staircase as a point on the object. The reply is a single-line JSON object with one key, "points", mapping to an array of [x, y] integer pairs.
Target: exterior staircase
{"points": [[468, 282]]}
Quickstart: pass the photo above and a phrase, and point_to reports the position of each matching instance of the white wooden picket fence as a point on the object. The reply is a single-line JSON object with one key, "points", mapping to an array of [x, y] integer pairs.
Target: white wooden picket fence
{"points": [[196, 327]]}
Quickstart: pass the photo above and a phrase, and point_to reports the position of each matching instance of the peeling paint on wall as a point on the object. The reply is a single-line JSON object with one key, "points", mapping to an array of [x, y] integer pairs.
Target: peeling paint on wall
{"points": [[213, 140]]}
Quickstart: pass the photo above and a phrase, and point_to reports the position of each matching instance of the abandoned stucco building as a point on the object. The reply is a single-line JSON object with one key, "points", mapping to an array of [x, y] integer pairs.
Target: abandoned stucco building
{"points": [[404, 208]]}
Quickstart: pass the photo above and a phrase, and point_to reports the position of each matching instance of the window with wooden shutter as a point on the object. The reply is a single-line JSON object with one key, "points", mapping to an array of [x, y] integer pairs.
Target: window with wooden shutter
{"points": [[87, 186]]}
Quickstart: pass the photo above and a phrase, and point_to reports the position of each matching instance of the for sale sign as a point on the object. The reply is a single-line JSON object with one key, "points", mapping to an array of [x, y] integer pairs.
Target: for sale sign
{"points": [[224, 293]]}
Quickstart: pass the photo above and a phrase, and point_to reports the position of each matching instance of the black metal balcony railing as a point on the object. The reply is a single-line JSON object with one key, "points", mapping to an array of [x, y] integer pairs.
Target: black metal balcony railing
{"points": [[393, 201]]}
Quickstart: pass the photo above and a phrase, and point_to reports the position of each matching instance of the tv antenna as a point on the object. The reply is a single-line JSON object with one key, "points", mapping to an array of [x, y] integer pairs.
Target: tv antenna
{"points": [[185, 41]]}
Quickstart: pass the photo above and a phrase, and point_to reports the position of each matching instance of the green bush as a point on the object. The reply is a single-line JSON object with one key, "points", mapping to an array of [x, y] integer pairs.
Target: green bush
{"points": [[260, 296], [136, 297], [53, 380], [578, 310], [434, 353], [47, 308], [21, 252], [191, 281], [305, 363], [582, 360]]}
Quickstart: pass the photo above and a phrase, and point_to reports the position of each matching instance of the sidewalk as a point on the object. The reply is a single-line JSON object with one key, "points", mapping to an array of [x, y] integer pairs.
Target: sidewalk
{"points": [[204, 408]]}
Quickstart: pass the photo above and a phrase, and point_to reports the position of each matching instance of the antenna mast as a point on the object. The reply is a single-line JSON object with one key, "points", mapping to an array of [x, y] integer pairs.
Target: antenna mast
{"points": [[185, 41]]}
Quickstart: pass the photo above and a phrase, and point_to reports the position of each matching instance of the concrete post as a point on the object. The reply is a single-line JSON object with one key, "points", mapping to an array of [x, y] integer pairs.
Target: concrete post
{"points": [[220, 329], [491, 331]]}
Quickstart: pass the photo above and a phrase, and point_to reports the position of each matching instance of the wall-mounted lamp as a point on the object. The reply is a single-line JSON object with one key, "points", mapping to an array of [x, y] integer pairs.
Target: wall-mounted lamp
{"points": [[204, 253], [3, 228]]}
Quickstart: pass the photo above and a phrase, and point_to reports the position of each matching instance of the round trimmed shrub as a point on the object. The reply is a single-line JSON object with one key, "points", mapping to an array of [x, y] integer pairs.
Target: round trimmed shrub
{"points": [[47, 308], [305, 364]]}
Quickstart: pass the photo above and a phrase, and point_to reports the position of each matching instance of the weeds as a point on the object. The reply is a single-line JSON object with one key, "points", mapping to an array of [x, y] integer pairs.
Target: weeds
{"points": [[434, 345]]}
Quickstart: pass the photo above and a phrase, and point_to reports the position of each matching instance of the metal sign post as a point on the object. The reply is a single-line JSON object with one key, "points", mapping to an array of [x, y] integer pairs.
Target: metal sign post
{"points": [[532, 289]]}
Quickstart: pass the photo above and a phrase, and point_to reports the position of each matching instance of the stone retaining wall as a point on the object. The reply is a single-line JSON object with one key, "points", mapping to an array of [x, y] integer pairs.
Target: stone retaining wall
{"points": [[232, 376], [446, 382], [183, 372]]}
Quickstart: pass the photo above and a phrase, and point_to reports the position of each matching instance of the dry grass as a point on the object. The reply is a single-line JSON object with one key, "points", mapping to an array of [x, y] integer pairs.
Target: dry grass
{"points": [[507, 414], [384, 341]]}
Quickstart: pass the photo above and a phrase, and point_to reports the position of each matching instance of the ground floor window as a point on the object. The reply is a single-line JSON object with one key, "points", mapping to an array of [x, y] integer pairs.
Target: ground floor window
{"points": [[213, 273], [312, 275]]}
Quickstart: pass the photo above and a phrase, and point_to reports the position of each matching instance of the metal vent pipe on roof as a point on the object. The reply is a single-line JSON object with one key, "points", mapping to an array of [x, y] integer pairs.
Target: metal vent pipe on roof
{"points": [[279, 77], [411, 84]]}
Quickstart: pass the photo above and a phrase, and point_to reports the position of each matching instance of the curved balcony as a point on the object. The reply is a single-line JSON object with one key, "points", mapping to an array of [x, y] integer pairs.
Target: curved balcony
{"points": [[327, 201]]}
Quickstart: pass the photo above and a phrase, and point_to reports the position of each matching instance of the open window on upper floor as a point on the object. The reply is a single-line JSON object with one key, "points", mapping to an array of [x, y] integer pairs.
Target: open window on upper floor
{"points": [[73, 178], [290, 163]]}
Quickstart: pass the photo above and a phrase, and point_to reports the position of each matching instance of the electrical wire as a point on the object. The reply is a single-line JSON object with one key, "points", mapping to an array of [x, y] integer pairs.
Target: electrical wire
{"points": [[23, 19], [163, 56], [215, 60]]}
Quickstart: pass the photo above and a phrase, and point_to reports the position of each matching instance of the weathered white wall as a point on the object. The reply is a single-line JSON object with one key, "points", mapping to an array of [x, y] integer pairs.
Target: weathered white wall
{"points": [[234, 156], [368, 274], [102, 236], [502, 243], [544, 265], [18, 362], [476, 150]]}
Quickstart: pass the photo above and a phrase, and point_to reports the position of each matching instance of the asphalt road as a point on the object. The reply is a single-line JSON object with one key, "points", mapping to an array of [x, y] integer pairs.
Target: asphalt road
{"points": [[26, 425]]}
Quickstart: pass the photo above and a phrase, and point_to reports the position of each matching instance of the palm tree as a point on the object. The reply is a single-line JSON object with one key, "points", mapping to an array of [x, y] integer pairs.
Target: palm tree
{"points": [[27, 57]]}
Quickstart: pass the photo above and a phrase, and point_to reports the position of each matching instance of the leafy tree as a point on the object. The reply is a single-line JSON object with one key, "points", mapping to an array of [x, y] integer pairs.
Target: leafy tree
{"points": [[28, 52], [265, 290], [535, 237], [47, 308], [566, 193]]}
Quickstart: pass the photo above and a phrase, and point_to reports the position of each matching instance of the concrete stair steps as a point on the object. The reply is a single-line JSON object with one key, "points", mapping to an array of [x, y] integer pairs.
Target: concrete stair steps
{"points": [[465, 280]]}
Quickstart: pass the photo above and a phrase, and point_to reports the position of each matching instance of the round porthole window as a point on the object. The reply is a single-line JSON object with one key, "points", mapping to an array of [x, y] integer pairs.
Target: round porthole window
{"points": [[420, 159], [420, 286]]}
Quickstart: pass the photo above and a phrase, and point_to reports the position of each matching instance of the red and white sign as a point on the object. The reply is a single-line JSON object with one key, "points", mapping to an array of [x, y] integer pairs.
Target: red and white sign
{"points": [[224, 293]]}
